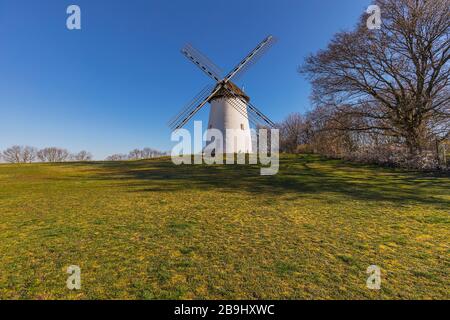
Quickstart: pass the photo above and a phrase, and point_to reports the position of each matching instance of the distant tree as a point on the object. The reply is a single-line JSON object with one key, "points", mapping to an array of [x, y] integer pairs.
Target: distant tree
{"points": [[29, 154], [148, 153], [12, 154], [117, 157], [326, 137], [82, 156], [293, 133], [135, 154], [19, 154], [53, 154]]}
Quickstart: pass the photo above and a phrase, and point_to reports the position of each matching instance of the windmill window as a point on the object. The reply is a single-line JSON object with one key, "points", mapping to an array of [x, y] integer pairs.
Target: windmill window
{"points": [[242, 126]]}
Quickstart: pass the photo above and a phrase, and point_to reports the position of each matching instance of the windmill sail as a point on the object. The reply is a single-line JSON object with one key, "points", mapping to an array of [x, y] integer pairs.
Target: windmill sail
{"points": [[235, 109], [267, 42], [202, 62], [191, 105], [193, 110]]}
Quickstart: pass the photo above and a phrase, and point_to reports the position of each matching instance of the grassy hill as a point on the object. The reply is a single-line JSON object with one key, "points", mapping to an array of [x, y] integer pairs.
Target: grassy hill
{"points": [[151, 230]]}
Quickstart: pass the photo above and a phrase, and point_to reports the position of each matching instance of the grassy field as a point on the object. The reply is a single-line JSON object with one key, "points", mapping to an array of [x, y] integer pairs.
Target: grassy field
{"points": [[150, 230]]}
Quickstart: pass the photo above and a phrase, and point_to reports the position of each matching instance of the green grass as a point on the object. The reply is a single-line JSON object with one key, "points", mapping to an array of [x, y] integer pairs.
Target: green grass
{"points": [[151, 230]]}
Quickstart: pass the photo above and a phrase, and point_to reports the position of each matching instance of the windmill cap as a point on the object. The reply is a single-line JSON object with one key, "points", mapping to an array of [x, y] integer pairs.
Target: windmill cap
{"points": [[222, 93]]}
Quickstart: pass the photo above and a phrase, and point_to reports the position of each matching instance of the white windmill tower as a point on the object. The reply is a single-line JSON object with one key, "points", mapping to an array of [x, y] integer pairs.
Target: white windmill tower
{"points": [[230, 106]]}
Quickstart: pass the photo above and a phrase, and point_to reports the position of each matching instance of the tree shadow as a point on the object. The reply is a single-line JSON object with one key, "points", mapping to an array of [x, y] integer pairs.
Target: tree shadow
{"points": [[299, 176]]}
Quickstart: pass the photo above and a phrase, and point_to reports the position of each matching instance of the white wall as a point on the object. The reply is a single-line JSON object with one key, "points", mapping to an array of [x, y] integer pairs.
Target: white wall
{"points": [[223, 115]]}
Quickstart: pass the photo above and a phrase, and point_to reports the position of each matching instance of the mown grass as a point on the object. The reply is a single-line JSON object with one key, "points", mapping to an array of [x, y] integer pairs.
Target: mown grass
{"points": [[151, 230]]}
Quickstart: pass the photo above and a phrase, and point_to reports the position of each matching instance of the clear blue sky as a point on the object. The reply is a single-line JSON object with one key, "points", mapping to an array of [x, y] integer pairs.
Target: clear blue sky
{"points": [[112, 86]]}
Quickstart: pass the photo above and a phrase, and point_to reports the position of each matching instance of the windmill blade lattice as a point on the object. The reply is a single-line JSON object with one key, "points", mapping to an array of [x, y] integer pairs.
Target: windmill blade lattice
{"points": [[202, 62], [191, 105], [254, 59], [194, 110], [248, 59]]}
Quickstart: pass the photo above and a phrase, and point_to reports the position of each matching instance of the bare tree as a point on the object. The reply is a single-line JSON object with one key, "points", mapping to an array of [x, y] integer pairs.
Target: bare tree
{"points": [[135, 154], [146, 153], [12, 154], [117, 157], [294, 133], [326, 136], [82, 156], [393, 81], [53, 154], [19, 154], [29, 154]]}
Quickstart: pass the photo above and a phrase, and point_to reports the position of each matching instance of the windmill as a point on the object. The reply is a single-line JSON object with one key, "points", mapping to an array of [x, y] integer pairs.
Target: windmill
{"points": [[230, 106]]}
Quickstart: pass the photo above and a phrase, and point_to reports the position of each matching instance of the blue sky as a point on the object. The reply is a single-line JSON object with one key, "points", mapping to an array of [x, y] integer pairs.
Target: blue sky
{"points": [[113, 85]]}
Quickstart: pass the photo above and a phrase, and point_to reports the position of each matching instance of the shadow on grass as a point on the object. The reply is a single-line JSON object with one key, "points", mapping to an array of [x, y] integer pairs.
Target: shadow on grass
{"points": [[299, 176]]}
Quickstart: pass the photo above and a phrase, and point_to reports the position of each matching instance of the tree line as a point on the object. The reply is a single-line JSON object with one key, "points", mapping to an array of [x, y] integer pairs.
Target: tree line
{"points": [[381, 95], [28, 154], [137, 154]]}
